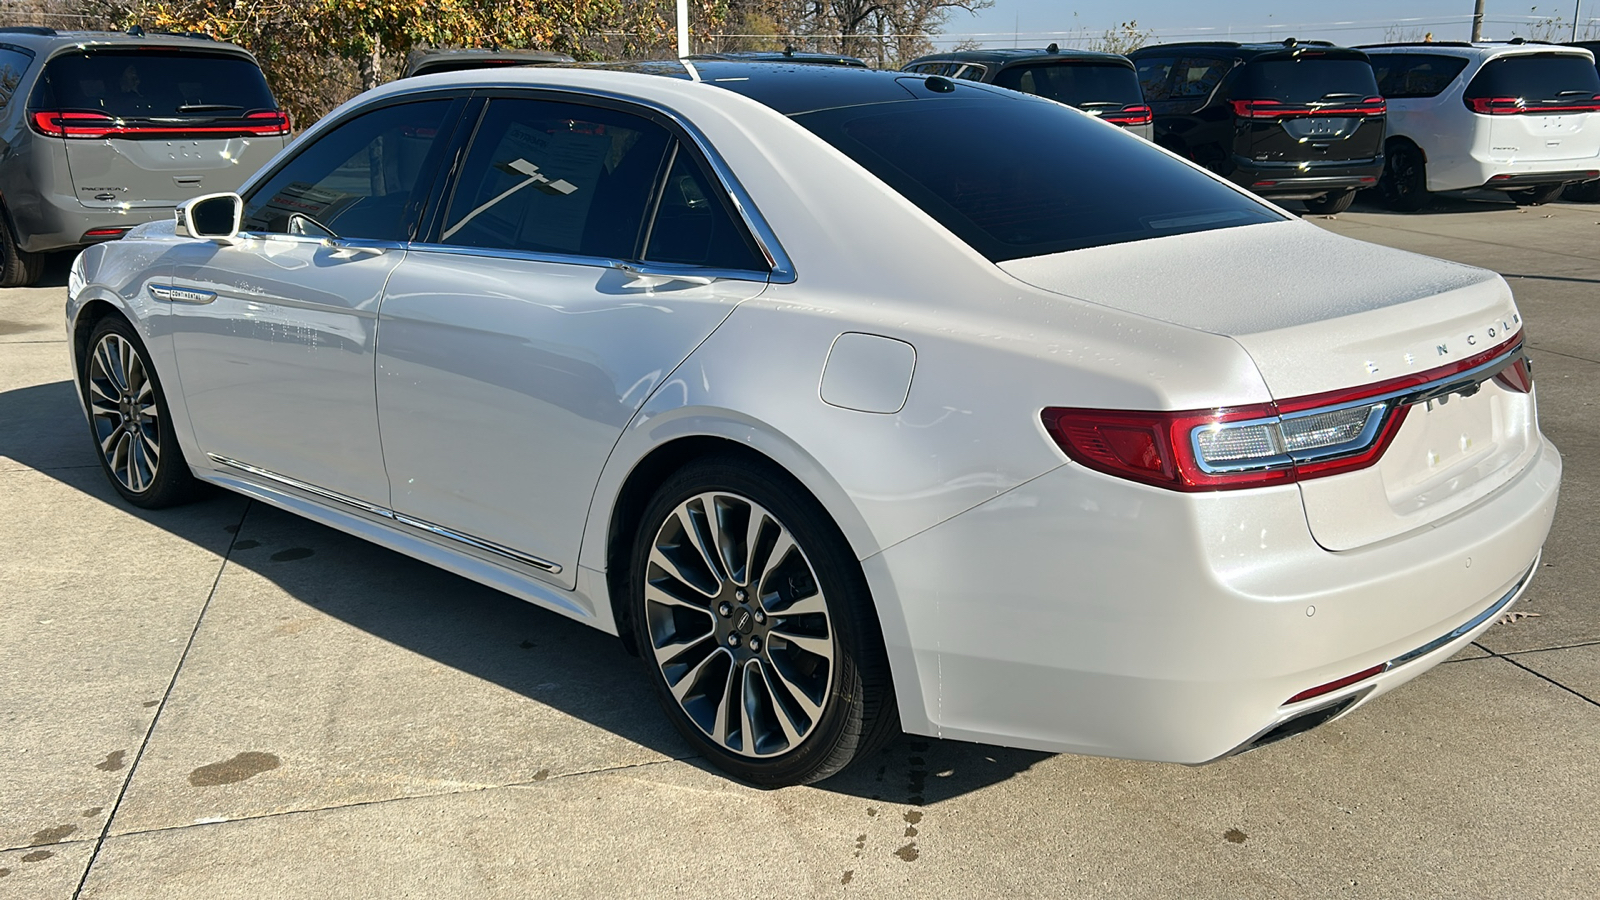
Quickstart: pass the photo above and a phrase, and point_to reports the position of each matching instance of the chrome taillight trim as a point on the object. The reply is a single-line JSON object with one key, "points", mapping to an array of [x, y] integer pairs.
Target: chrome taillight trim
{"points": [[1382, 406]]}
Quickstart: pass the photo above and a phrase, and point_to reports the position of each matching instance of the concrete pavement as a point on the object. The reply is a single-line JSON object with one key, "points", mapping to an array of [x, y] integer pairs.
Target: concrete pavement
{"points": [[224, 701]]}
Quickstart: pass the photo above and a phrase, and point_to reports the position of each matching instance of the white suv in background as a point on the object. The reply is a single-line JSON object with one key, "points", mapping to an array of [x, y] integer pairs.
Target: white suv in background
{"points": [[1522, 118]]}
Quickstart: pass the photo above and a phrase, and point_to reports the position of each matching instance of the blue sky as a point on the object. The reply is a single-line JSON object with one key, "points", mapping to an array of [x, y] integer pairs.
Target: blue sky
{"points": [[1038, 22]]}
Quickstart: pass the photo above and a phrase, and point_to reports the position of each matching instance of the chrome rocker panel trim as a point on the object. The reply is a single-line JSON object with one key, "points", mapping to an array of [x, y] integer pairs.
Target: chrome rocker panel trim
{"points": [[386, 513]]}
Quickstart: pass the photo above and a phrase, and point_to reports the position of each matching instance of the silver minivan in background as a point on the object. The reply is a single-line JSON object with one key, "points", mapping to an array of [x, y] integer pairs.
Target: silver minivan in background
{"points": [[102, 131]]}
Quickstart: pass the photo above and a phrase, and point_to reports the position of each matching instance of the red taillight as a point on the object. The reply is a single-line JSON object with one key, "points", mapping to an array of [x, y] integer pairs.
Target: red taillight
{"points": [[1130, 115], [1511, 106], [1275, 109], [1332, 686], [99, 233], [1229, 448], [93, 125], [1496, 106]]}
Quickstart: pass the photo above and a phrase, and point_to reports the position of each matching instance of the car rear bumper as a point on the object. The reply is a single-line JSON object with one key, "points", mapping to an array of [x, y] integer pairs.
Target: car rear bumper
{"points": [[1520, 180], [58, 222], [1080, 613], [1303, 181]]}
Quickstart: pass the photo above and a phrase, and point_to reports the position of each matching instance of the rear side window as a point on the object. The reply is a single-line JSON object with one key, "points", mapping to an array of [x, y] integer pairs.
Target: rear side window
{"points": [[1308, 77], [1195, 78], [13, 63], [1543, 78], [547, 177], [1154, 73], [144, 83], [1409, 75], [693, 225], [1075, 84], [1016, 177]]}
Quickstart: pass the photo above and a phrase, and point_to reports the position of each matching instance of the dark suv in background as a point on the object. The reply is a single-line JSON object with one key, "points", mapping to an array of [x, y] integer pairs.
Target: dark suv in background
{"points": [[1101, 84], [100, 132], [1297, 120]]}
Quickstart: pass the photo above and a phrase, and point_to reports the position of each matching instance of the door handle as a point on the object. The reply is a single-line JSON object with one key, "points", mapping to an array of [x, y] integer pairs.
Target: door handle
{"points": [[648, 279], [342, 250]]}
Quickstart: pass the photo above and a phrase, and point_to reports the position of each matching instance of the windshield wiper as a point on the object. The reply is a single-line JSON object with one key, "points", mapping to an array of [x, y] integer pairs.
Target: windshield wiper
{"points": [[207, 107]]}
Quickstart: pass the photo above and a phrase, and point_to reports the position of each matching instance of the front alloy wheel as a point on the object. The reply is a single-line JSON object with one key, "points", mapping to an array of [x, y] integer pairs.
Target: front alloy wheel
{"points": [[756, 623], [128, 419]]}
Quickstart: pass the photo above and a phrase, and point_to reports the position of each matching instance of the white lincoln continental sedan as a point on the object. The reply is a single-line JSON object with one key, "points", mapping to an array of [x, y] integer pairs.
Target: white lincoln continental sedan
{"points": [[853, 402]]}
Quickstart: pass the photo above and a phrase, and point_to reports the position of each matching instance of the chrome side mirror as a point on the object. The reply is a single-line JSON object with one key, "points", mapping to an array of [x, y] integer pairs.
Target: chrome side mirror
{"points": [[211, 216]]}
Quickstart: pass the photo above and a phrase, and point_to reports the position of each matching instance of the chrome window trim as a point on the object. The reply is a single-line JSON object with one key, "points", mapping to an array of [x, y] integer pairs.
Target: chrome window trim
{"points": [[599, 262], [386, 513], [1465, 383]]}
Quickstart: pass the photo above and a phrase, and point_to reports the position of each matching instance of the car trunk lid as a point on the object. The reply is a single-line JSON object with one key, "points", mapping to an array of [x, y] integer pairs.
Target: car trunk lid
{"points": [[1309, 104], [1540, 106], [152, 126], [1312, 329]]}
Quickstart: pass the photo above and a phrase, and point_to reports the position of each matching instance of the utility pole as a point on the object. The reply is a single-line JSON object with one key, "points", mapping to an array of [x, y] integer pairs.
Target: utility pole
{"points": [[1576, 8], [683, 26], [1477, 22]]}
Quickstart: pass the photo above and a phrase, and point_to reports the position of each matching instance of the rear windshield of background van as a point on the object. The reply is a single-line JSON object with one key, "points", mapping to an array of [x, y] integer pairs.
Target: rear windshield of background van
{"points": [[142, 84], [1307, 78], [1074, 84], [1541, 78]]}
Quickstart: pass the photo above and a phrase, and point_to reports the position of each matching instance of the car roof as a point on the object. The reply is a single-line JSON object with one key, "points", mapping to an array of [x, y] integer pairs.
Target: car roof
{"points": [[786, 55], [787, 88], [1242, 50], [40, 39], [1008, 55], [1480, 50]]}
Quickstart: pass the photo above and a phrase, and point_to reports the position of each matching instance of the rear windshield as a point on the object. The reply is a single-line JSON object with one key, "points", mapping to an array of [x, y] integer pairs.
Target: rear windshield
{"points": [[147, 83], [1075, 84], [1543, 77], [1018, 177], [1307, 78]]}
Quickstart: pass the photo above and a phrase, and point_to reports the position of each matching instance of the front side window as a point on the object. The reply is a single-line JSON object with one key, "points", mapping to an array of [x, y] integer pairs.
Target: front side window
{"points": [[1412, 75], [1057, 181], [549, 177], [13, 63], [366, 178]]}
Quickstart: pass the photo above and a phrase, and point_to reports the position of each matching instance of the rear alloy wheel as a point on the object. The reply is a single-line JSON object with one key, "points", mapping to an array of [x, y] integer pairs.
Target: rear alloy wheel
{"points": [[129, 420], [18, 267], [1537, 196], [1404, 183], [1331, 203], [755, 621]]}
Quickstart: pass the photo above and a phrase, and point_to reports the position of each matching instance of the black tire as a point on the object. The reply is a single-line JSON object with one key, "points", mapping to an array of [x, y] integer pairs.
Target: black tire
{"points": [[121, 391], [18, 267], [1404, 182], [1583, 192], [856, 713], [1537, 196], [1331, 203]]}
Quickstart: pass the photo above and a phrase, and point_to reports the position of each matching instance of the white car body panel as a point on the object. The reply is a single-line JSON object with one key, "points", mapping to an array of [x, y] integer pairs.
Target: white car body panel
{"points": [[1024, 599], [1464, 149]]}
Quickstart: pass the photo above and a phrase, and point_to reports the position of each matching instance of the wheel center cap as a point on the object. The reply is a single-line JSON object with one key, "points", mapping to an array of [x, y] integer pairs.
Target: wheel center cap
{"points": [[744, 621]]}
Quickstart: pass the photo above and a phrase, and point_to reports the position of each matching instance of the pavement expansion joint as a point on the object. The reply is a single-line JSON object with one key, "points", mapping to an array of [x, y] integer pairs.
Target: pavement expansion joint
{"points": [[1586, 359], [1478, 241], [1537, 674], [540, 777], [165, 695]]}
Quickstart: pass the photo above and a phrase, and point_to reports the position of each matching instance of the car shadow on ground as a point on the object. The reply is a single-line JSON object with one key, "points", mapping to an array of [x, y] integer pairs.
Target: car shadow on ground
{"points": [[499, 639]]}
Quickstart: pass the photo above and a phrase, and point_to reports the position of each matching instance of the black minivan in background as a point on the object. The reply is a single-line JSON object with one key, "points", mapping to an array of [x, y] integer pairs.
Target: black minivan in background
{"points": [[1297, 120], [1100, 84]]}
